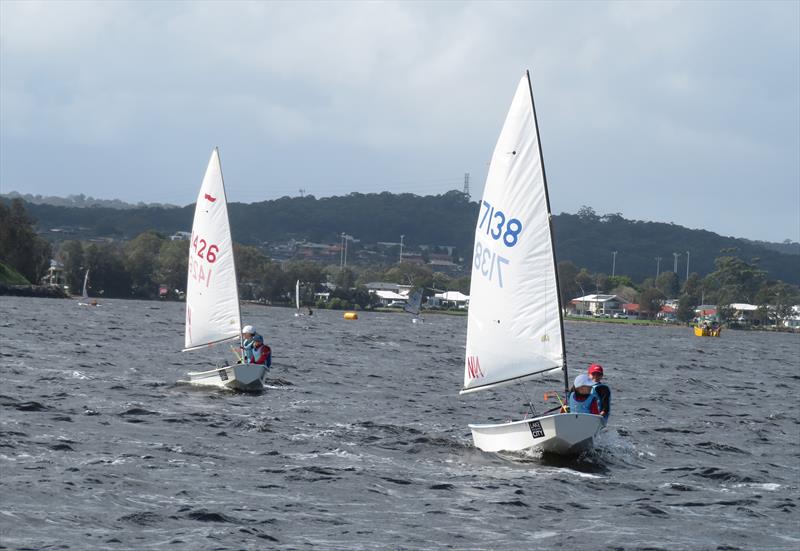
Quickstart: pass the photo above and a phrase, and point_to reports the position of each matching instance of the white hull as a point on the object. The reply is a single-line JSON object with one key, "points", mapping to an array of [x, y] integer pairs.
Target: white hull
{"points": [[243, 377], [561, 433]]}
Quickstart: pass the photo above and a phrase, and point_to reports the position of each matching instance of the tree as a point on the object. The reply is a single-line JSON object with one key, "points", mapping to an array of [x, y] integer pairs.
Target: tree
{"points": [[141, 260], [172, 265], [667, 283], [650, 302], [71, 256], [567, 274], [20, 247], [734, 280]]}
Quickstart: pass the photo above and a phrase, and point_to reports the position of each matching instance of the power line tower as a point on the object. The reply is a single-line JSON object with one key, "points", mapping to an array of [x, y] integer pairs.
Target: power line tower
{"points": [[466, 185], [302, 192]]}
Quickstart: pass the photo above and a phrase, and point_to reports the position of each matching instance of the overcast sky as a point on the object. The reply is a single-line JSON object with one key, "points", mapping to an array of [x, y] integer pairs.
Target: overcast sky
{"points": [[684, 112]]}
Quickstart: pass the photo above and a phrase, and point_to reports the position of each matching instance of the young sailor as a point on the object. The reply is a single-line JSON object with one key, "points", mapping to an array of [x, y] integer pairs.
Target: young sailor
{"points": [[603, 391], [254, 351], [584, 399]]}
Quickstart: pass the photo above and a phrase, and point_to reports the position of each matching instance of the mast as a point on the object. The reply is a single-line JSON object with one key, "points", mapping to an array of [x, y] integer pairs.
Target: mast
{"points": [[235, 276], [552, 240]]}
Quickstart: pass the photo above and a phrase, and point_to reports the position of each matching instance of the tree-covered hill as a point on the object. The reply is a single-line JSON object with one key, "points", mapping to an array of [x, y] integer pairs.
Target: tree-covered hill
{"points": [[587, 239]]}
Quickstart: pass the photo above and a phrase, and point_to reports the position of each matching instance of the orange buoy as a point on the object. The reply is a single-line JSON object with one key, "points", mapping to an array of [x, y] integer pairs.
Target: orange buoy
{"points": [[350, 316]]}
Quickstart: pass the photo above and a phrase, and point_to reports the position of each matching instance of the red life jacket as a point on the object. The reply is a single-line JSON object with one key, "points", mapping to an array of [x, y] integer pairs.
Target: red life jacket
{"points": [[261, 354]]}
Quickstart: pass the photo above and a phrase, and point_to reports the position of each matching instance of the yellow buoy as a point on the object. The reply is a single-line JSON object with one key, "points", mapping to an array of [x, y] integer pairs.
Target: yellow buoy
{"points": [[350, 316]]}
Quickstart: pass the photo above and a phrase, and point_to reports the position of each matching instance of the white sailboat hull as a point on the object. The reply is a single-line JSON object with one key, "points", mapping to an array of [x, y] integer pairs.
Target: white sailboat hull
{"points": [[560, 433], [241, 377]]}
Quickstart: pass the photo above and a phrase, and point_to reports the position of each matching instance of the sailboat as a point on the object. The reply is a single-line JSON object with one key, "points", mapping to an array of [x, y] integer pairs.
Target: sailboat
{"points": [[414, 305], [297, 300], [515, 328], [213, 314], [85, 300]]}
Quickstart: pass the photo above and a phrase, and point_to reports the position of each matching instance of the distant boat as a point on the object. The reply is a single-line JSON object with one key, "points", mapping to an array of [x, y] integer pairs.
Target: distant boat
{"points": [[414, 305], [213, 314], [297, 313], [85, 300], [707, 331], [515, 328]]}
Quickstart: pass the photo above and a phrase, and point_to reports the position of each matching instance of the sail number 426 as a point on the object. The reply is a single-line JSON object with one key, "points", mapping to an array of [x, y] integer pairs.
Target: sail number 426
{"points": [[497, 226], [204, 250]]}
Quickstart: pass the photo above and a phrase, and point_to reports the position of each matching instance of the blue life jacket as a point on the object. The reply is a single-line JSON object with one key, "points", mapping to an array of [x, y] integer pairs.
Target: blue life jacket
{"points": [[585, 406], [600, 403]]}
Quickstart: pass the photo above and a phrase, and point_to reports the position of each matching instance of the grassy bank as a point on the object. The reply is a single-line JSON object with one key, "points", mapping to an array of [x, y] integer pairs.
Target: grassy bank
{"points": [[10, 276]]}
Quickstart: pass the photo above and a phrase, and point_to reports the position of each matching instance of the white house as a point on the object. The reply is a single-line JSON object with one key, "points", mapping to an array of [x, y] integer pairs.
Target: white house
{"points": [[450, 298], [595, 305]]}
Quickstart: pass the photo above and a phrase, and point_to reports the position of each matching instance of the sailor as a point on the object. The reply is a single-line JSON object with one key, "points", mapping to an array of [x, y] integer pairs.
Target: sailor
{"points": [[602, 390], [254, 351], [260, 353], [584, 399]]}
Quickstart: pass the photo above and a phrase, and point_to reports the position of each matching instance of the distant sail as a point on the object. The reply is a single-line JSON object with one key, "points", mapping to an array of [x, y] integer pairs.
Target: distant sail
{"points": [[414, 302]]}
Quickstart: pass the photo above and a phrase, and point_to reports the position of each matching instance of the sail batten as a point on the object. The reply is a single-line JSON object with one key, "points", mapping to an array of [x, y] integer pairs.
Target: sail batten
{"points": [[212, 296], [514, 330]]}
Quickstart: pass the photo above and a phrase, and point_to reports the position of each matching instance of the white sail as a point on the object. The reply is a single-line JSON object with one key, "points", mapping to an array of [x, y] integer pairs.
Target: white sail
{"points": [[297, 294], [212, 297], [85, 285], [514, 327]]}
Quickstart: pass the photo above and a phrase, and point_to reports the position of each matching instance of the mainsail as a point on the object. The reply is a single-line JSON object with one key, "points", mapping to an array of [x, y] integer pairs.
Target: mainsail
{"points": [[212, 297], [414, 302], [514, 330], [297, 294], [85, 285]]}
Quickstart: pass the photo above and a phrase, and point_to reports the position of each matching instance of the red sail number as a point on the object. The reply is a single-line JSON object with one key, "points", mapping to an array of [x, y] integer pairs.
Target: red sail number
{"points": [[204, 250]]}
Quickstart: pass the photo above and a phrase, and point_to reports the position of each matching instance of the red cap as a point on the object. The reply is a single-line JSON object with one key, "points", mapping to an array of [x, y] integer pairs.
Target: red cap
{"points": [[595, 368]]}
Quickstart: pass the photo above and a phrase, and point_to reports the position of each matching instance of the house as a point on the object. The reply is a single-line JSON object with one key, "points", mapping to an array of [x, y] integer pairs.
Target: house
{"points": [[595, 305], [180, 236], [55, 275], [453, 299], [743, 312], [390, 298]]}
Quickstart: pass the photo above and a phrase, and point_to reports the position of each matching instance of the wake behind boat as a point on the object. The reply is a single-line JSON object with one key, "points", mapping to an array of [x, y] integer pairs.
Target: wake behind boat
{"points": [[213, 314], [515, 328]]}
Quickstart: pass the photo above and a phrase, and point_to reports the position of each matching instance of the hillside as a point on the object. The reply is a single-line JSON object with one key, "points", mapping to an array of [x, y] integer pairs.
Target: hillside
{"points": [[586, 239]]}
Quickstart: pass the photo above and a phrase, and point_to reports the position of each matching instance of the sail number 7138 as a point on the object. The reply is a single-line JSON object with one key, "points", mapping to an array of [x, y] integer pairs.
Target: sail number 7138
{"points": [[497, 226]]}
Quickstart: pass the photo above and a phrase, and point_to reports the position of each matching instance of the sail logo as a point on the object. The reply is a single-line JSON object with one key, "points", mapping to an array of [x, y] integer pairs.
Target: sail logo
{"points": [[209, 198], [474, 367]]}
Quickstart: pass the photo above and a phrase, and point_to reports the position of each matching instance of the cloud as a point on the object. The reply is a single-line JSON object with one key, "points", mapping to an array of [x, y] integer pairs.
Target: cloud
{"points": [[406, 92]]}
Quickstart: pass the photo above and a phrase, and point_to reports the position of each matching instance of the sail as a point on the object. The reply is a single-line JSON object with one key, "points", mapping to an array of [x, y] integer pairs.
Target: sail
{"points": [[414, 302], [85, 285], [297, 294], [514, 329], [212, 297]]}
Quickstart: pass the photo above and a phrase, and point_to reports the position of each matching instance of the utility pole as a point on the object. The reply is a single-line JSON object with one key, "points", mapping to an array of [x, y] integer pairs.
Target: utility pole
{"points": [[345, 250], [658, 266], [675, 268], [466, 185], [613, 263], [687, 265], [302, 192], [341, 252], [401, 249]]}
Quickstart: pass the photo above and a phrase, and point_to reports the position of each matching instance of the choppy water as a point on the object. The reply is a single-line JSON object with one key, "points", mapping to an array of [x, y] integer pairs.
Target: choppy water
{"points": [[361, 440]]}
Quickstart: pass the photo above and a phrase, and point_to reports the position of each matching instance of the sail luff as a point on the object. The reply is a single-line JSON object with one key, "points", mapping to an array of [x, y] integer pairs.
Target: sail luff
{"points": [[230, 234], [552, 237]]}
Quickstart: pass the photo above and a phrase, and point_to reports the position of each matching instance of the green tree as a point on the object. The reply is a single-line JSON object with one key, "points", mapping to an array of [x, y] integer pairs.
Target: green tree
{"points": [[735, 280], [172, 265], [650, 302], [20, 247], [667, 283], [70, 253], [141, 258]]}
